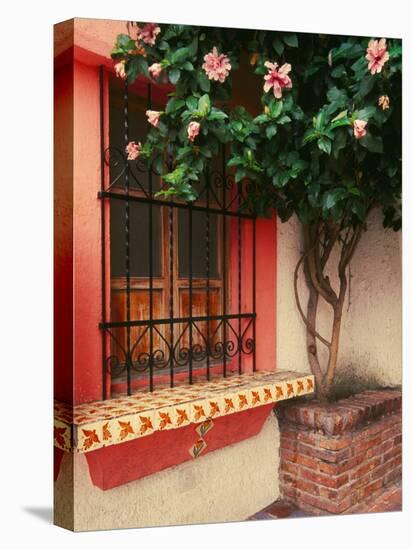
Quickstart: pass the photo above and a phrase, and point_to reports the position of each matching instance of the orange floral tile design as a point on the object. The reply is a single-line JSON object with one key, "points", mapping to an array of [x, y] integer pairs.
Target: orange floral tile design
{"points": [[90, 426]]}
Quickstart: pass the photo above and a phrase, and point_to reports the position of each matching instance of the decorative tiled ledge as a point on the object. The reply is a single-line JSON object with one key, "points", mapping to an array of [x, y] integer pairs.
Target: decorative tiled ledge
{"points": [[92, 426]]}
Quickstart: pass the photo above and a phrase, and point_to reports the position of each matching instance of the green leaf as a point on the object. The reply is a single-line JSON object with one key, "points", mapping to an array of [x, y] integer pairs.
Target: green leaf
{"points": [[291, 40], [337, 96], [276, 108], [284, 119], [203, 81], [395, 51], [125, 43], [342, 114], [278, 46], [372, 143], [341, 122], [330, 198], [366, 86], [174, 75], [174, 105], [261, 119], [217, 114], [366, 113], [338, 71], [204, 105], [271, 131], [137, 65], [180, 55], [325, 145], [280, 179], [187, 66]]}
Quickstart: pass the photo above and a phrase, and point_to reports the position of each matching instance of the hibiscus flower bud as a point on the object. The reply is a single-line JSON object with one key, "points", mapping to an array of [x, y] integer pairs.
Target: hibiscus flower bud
{"points": [[359, 130], [383, 102], [120, 69], [193, 130], [133, 150], [153, 117], [155, 70]]}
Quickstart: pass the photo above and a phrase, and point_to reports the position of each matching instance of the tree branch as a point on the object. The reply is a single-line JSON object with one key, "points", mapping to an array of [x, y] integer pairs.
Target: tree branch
{"points": [[311, 329]]}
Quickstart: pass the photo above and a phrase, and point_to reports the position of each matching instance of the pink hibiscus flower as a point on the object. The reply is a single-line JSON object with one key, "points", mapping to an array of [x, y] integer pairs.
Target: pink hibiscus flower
{"points": [[133, 150], [277, 78], [120, 69], [216, 66], [193, 130], [153, 117], [377, 55], [359, 130], [149, 33], [155, 70]]}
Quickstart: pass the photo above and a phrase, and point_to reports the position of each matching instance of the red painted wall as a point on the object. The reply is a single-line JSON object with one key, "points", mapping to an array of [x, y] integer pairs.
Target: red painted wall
{"points": [[63, 234]]}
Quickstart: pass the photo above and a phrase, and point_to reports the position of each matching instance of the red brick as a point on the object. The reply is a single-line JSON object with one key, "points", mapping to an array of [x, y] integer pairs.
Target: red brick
{"points": [[290, 434], [307, 486], [333, 482], [308, 437], [395, 451], [289, 444], [381, 471], [366, 444], [287, 455], [326, 504], [289, 492], [288, 467], [365, 468], [371, 488], [323, 454], [329, 468], [307, 461], [392, 476], [397, 440], [379, 449], [335, 444]]}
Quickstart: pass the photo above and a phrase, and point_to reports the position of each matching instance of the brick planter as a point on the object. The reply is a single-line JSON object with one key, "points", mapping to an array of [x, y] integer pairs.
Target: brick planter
{"points": [[335, 457]]}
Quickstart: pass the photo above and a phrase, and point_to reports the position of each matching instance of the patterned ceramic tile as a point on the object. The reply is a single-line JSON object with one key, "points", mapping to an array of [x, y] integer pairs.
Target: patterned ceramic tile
{"points": [[204, 427], [124, 418], [198, 448]]}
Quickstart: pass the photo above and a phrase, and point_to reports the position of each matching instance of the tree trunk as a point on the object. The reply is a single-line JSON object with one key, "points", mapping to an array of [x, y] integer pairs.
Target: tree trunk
{"points": [[320, 239]]}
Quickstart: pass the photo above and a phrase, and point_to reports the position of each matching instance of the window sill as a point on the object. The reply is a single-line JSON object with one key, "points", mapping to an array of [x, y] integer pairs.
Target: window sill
{"points": [[91, 426]]}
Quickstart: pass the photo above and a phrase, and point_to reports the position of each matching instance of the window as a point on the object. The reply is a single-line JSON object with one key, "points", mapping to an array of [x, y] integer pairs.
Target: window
{"points": [[175, 286]]}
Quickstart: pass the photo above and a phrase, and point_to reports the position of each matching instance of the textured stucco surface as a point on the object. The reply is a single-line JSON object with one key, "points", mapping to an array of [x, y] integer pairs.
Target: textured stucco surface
{"points": [[371, 344], [230, 484]]}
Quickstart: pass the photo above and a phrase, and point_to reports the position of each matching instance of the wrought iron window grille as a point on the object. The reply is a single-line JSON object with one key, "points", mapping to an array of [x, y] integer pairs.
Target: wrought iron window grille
{"points": [[188, 341]]}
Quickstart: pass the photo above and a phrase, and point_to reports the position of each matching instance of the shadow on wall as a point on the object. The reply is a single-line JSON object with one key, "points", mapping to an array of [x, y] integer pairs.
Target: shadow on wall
{"points": [[349, 380]]}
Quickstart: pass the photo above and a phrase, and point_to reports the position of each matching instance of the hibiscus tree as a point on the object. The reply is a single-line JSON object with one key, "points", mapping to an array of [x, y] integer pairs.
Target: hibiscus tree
{"points": [[326, 146]]}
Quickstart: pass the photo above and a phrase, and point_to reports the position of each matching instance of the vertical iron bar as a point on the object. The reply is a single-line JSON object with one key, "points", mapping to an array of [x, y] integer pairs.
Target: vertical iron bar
{"points": [[103, 232], [239, 278], [223, 274], [190, 215], [171, 297], [149, 106], [208, 344], [254, 293], [127, 236]]}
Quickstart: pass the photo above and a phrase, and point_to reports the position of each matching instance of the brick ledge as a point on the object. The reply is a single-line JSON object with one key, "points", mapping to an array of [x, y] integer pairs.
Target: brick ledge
{"points": [[344, 415]]}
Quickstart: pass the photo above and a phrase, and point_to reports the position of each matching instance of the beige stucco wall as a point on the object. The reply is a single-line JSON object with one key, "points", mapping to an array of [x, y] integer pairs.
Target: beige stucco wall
{"points": [[371, 345], [230, 484]]}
